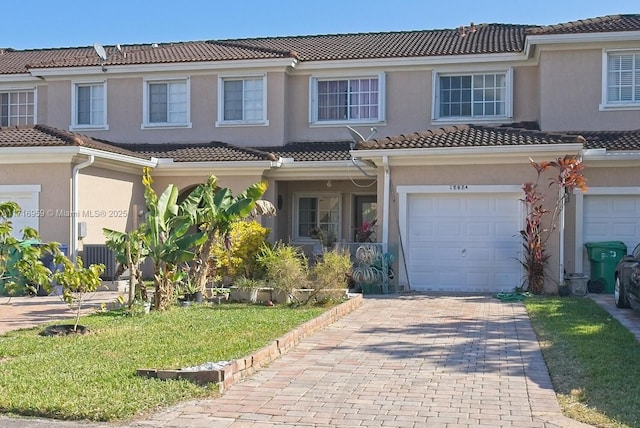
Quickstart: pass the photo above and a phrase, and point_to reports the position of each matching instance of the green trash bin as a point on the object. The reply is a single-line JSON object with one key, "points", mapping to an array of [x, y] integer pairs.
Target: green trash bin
{"points": [[604, 257]]}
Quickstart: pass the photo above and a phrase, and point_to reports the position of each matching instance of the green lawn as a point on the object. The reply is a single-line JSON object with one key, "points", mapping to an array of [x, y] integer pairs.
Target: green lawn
{"points": [[592, 359], [93, 376]]}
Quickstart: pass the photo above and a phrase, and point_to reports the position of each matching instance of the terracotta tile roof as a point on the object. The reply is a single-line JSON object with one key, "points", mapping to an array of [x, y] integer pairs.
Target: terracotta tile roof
{"points": [[20, 61], [469, 136], [611, 140], [313, 151], [476, 39], [486, 38], [46, 136], [603, 24], [200, 152]]}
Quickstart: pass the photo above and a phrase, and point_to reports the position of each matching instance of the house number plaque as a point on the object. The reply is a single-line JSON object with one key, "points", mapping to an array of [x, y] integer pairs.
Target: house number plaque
{"points": [[459, 187]]}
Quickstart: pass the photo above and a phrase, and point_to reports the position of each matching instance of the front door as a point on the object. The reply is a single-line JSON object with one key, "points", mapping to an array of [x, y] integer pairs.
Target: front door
{"points": [[365, 218]]}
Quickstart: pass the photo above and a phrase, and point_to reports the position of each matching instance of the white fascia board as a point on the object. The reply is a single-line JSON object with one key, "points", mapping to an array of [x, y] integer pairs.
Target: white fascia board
{"points": [[468, 155], [65, 154], [603, 158], [167, 167], [412, 61], [130, 160], [557, 39], [23, 78], [181, 67], [311, 170], [552, 39]]}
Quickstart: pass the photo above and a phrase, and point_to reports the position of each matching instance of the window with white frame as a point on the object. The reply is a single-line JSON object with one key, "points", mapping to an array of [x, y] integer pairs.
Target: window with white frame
{"points": [[242, 100], [347, 99], [17, 107], [485, 95], [166, 103], [317, 217], [622, 79], [89, 105]]}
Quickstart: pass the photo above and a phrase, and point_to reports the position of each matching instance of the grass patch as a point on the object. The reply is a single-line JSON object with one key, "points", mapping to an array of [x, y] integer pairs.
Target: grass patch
{"points": [[592, 360], [93, 376]]}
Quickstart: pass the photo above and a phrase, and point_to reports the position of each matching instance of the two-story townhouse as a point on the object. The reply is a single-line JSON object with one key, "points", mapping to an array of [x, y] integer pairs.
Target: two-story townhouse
{"points": [[465, 109]]}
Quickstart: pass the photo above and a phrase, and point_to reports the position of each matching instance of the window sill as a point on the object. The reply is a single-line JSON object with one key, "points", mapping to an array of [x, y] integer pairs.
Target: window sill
{"points": [[89, 128], [472, 120], [165, 125], [329, 124], [230, 124], [618, 107]]}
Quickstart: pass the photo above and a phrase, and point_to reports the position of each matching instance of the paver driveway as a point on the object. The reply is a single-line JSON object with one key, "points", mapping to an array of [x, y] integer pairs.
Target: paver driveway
{"points": [[400, 361]]}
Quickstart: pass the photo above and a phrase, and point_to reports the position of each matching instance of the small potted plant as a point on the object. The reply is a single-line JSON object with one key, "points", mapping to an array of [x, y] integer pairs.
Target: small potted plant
{"points": [[187, 290]]}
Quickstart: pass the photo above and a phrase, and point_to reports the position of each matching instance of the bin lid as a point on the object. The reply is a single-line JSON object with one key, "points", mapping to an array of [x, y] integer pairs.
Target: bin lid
{"points": [[616, 245]]}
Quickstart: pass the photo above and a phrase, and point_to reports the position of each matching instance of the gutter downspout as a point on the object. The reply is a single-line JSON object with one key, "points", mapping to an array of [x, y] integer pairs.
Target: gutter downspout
{"points": [[74, 205], [561, 244], [385, 204]]}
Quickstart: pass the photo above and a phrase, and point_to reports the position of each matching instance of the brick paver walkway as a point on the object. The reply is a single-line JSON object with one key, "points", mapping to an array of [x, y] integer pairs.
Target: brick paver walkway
{"points": [[422, 360], [400, 361]]}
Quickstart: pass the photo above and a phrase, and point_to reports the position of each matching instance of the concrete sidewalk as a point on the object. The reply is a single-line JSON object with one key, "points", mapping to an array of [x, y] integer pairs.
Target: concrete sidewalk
{"points": [[422, 360], [31, 311]]}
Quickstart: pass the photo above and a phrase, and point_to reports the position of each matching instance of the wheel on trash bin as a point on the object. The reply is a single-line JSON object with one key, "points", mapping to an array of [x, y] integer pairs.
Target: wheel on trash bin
{"points": [[620, 295]]}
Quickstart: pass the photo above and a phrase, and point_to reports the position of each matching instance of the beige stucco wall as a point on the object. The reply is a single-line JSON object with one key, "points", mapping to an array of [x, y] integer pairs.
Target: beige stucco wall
{"points": [[408, 108], [125, 117], [108, 199], [55, 195], [571, 93]]}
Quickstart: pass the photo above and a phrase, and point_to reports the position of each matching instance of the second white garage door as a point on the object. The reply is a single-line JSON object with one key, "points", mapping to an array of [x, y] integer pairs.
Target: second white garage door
{"points": [[463, 242], [611, 218]]}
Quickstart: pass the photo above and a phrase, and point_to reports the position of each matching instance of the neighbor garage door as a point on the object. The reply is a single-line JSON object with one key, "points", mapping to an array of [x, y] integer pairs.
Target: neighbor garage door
{"points": [[611, 218], [466, 243], [27, 197]]}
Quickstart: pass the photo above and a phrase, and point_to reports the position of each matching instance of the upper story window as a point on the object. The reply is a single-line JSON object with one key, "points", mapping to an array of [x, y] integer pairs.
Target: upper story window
{"points": [[347, 99], [89, 105], [242, 100], [17, 107], [621, 86], [476, 96], [166, 103]]}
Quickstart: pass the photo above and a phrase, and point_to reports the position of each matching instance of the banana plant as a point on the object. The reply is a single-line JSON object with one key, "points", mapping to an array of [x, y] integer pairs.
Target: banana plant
{"points": [[215, 210], [131, 250], [168, 237]]}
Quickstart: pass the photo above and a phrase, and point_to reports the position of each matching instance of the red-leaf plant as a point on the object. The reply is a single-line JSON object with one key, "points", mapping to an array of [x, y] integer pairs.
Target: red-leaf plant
{"points": [[535, 235]]}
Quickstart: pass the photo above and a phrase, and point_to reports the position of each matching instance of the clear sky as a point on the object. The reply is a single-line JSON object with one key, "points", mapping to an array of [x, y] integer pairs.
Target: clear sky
{"points": [[29, 24]]}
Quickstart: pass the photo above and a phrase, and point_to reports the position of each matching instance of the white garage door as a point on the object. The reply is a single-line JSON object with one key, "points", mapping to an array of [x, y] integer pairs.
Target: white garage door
{"points": [[611, 218], [467, 243], [27, 197]]}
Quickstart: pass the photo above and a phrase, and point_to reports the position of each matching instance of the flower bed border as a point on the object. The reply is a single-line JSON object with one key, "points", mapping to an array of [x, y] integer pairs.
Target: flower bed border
{"points": [[243, 367]]}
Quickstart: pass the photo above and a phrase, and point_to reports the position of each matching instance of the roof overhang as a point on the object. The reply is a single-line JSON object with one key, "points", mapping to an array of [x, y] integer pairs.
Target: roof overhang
{"points": [[426, 61], [174, 67], [314, 170], [167, 167], [604, 158], [68, 154], [467, 155], [557, 39]]}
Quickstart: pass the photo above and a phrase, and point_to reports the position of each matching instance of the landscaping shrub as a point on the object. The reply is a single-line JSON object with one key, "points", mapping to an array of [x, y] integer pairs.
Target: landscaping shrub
{"points": [[285, 266], [246, 238]]}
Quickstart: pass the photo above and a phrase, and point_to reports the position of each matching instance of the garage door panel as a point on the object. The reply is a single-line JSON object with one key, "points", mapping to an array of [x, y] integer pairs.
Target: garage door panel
{"points": [[28, 201], [472, 242], [611, 218]]}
